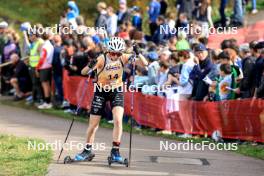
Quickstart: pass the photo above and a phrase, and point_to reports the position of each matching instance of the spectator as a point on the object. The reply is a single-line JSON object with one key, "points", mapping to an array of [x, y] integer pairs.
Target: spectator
{"points": [[79, 59], [137, 18], [259, 70], [174, 70], [246, 86], [153, 12], [6, 72], [182, 43], [34, 57], [185, 6], [20, 81], [3, 27], [101, 20], [254, 6], [252, 45], [171, 20], [225, 58], [123, 33], [72, 13], [182, 21], [199, 72], [152, 69], [204, 17], [236, 61], [172, 82], [164, 55], [238, 16], [223, 91], [185, 84], [223, 20], [111, 21], [44, 70], [172, 44], [159, 35], [122, 13], [57, 68], [163, 7], [162, 77]]}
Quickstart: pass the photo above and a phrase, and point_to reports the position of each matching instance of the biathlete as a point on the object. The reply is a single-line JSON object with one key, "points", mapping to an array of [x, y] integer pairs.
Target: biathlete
{"points": [[109, 70]]}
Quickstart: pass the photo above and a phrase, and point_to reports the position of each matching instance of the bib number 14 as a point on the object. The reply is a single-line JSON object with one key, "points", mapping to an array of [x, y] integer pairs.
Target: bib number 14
{"points": [[114, 77]]}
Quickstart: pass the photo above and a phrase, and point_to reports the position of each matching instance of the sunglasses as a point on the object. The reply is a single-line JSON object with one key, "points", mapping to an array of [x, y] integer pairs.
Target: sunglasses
{"points": [[115, 54]]}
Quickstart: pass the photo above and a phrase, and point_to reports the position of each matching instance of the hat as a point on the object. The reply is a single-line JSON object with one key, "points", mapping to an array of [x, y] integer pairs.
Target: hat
{"points": [[244, 48], [199, 47], [153, 56], [25, 26], [135, 8], [3, 25], [260, 45]]}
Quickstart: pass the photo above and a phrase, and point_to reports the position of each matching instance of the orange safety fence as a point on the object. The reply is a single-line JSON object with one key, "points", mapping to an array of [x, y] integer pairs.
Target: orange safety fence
{"points": [[235, 119]]}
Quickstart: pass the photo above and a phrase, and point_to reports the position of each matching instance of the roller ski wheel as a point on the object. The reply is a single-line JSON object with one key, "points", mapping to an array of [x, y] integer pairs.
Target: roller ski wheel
{"points": [[126, 162], [111, 161], [68, 159]]}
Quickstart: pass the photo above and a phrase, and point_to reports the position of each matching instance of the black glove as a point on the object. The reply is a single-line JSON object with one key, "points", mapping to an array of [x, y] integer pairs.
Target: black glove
{"points": [[92, 63], [136, 49]]}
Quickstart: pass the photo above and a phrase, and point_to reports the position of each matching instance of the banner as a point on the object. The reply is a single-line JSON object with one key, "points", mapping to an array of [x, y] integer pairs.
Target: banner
{"points": [[235, 119]]}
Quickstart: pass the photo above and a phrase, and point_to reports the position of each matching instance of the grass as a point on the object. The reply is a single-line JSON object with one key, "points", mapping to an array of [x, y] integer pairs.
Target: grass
{"points": [[252, 151], [256, 151], [16, 159]]}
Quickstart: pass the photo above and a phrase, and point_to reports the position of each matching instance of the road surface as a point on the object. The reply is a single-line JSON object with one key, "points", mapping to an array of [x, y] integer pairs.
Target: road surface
{"points": [[147, 159]]}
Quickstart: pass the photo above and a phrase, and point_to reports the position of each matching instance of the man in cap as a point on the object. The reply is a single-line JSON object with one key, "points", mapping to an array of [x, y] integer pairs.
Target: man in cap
{"points": [[200, 71]]}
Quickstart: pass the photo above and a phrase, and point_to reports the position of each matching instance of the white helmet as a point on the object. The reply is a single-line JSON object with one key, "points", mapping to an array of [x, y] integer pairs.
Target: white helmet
{"points": [[116, 44]]}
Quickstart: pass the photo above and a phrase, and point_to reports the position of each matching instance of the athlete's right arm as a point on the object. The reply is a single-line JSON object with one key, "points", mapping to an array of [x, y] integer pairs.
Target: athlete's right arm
{"points": [[99, 65]]}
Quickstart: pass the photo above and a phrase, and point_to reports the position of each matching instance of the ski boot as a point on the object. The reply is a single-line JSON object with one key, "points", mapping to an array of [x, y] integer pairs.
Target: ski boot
{"points": [[115, 157], [86, 155]]}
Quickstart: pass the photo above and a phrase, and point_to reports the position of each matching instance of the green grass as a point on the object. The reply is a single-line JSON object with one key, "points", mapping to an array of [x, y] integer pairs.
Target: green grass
{"points": [[17, 160], [245, 149], [251, 150]]}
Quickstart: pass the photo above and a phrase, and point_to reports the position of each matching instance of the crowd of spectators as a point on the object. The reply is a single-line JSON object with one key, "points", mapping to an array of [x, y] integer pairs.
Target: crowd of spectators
{"points": [[179, 60]]}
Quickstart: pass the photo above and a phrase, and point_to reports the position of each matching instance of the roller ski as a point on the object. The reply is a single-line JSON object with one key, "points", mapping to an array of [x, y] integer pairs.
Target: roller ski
{"points": [[115, 157], [86, 155]]}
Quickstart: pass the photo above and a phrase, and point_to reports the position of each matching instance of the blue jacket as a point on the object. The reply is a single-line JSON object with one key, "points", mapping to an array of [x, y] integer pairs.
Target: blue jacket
{"points": [[137, 22], [199, 72], [74, 12], [154, 10]]}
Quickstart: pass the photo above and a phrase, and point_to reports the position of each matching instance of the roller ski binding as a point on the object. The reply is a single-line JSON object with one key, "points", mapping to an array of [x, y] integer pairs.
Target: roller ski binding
{"points": [[86, 155], [115, 157]]}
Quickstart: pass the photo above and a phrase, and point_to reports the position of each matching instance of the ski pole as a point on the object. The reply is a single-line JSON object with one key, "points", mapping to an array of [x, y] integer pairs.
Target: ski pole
{"points": [[132, 109], [76, 113]]}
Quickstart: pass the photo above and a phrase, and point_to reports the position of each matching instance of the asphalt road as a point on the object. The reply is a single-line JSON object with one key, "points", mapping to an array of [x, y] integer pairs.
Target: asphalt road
{"points": [[147, 159]]}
